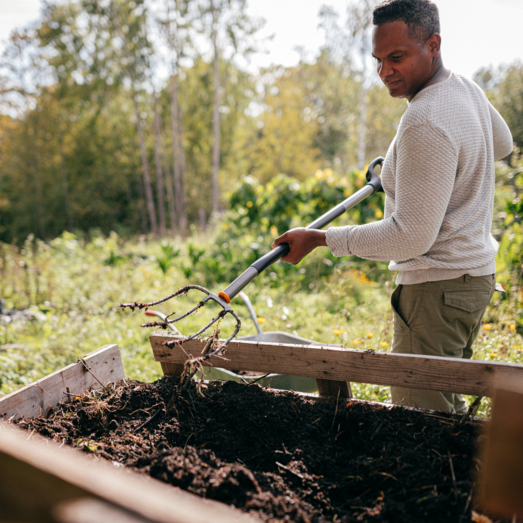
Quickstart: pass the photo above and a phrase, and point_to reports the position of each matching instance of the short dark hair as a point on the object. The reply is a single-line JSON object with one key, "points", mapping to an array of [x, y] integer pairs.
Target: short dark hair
{"points": [[421, 16]]}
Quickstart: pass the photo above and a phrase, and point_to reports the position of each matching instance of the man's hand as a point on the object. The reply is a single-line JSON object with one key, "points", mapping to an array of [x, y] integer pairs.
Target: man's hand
{"points": [[301, 242]]}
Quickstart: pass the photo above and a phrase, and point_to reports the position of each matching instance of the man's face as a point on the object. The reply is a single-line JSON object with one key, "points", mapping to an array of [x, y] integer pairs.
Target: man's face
{"points": [[404, 64]]}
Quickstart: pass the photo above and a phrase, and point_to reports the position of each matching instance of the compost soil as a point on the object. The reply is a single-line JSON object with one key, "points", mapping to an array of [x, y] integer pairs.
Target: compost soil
{"points": [[276, 454]]}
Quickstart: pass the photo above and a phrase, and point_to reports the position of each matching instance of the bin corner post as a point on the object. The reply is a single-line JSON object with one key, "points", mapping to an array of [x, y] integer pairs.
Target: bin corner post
{"points": [[171, 369], [334, 388]]}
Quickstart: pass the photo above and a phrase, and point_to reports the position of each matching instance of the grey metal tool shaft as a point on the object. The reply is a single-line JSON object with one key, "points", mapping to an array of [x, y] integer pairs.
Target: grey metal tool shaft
{"points": [[344, 206], [373, 185]]}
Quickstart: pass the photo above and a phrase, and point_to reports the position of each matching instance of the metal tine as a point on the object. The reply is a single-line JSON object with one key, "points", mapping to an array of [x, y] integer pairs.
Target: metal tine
{"points": [[195, 308], [183, 290], [214, 320]]}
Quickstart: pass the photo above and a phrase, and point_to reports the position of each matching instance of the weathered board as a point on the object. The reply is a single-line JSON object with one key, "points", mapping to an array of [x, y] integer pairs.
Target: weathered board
{"points": [[43, 483], [35, 399], [423, 372]]}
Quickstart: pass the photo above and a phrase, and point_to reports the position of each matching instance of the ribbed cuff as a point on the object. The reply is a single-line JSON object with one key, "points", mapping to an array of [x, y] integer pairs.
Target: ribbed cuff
{"points": [[336, 238]]}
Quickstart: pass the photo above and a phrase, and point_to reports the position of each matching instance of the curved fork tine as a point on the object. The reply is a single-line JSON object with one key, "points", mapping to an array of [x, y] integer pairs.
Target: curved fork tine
{"points": [[183, 290], [195, 308], [214, 320]]}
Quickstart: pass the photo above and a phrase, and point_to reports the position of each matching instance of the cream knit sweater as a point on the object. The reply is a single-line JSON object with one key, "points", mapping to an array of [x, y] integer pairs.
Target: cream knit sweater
{"points": [[438, 177]]}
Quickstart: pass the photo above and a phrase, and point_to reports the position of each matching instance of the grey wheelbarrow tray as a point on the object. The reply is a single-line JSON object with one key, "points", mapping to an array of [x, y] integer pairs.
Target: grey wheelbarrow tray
{"points": [[278, 381]]}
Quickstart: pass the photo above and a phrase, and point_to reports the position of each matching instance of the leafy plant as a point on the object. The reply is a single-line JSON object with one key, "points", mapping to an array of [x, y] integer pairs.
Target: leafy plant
{"points": [[166, 259]]}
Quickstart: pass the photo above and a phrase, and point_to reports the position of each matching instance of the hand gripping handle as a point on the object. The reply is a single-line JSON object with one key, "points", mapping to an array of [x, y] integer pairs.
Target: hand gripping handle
{"points": [[373, 185]]}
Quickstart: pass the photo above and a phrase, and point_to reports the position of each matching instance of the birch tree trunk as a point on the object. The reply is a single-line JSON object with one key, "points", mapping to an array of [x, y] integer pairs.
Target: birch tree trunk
{"points": [[363, 119], [170, 192], [65, 187], [146, 177], [40, 204], [158, 162], [216, 122], [178, 160]]}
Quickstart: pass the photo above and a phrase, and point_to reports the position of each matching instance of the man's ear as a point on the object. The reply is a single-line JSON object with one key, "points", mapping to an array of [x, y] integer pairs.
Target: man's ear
{"points": [[434, 44]]}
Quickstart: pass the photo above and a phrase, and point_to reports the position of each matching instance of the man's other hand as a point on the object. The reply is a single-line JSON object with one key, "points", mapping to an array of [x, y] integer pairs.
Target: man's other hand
{"points": [[301, 242]]}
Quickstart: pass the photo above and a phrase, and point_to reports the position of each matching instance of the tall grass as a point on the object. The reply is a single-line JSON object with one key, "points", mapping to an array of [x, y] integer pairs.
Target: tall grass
{"points": [[71, 288]]}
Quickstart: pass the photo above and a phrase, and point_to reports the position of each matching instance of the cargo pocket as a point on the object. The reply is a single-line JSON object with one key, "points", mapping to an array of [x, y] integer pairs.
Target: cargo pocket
{"points": [[469, 301], [399, 322], [401, 339]]}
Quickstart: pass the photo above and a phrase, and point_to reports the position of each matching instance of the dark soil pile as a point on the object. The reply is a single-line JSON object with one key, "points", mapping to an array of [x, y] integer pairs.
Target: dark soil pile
{"points": [[278, 455]]}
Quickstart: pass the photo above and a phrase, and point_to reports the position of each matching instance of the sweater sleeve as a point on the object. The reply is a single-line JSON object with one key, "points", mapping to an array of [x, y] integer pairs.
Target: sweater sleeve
{"points": [[426, 165], [501, 134]]}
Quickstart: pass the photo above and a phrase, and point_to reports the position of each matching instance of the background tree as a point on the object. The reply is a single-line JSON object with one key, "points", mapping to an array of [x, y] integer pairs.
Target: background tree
{"points": [[175, 22], [287, 128], [229, 30], [75, 86], [351, 47], [126, 21]]}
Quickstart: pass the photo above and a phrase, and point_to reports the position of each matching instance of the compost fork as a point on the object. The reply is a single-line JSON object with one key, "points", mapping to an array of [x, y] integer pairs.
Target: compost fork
{"points": [[214, 346]]}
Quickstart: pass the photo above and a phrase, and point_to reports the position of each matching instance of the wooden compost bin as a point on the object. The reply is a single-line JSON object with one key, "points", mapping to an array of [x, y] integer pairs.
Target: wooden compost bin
{"points": [[41, 482]]}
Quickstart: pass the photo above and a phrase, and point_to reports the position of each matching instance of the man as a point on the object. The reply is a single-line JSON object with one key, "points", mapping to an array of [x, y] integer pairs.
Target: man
{"points": [[438, 177]]}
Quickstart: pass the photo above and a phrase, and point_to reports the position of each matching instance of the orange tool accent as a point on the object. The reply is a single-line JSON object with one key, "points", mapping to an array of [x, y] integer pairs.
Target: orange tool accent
{"points": [[224, 296]]}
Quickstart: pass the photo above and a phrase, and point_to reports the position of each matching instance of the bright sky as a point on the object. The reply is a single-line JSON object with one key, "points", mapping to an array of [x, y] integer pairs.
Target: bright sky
{"points": [[476, 33]]}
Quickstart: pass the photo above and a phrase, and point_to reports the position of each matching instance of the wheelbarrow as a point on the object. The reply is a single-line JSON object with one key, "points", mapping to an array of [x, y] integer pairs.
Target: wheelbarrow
{"points": [[278, 381]]}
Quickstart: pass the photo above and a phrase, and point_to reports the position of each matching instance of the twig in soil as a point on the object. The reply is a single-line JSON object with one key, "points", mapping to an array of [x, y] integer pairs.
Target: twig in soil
{"points": [[468, 500], [453, 478], [389, 475], [442, 420], [187, 441], [150, 418], [376, 431], [336, 411], [257, 379], [473, 409], [86, 367], [289, 470]]}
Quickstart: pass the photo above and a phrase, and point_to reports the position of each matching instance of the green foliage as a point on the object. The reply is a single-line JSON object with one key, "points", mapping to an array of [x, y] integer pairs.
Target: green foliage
{"points": [[508, 229], [259, 213], [73, 295], [167, 257], [504, 88], [196, 98], [509, 100]]}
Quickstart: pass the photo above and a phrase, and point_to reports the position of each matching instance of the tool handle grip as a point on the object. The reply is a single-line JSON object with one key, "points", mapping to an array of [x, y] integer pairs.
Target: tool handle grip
{"points": [[372, 178], [271, 257], [373, 185]]}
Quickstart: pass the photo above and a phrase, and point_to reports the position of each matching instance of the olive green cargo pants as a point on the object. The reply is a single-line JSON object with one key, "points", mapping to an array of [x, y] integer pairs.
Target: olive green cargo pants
{"points": [[440, 318]]}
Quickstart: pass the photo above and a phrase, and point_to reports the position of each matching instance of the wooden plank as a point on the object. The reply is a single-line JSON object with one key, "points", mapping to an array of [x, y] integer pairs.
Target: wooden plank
{"points": [[422, 372], [501, 479], [105, 366], [39, 481]]}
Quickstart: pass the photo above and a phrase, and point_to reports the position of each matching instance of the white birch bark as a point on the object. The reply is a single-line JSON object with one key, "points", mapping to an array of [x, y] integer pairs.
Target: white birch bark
{"points": [[151, 211], [158, 162], [216, 120]]}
